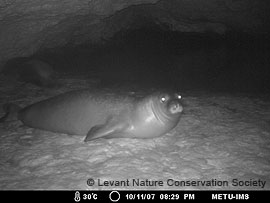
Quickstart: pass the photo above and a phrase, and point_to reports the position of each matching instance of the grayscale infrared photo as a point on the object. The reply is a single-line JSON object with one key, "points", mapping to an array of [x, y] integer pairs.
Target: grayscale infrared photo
{"points": [[141, 95]]}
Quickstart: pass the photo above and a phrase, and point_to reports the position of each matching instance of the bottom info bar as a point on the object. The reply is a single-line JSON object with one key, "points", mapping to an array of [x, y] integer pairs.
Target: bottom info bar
{"points": [[134, 195], [120, 195]]}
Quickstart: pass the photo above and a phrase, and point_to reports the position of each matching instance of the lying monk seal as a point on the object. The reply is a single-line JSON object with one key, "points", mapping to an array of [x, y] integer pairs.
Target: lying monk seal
{"points": [[98, 115], [31, 70]]}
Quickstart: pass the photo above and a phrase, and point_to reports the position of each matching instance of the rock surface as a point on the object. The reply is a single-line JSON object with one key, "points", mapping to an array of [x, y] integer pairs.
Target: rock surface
{"points": [[29, 26]]}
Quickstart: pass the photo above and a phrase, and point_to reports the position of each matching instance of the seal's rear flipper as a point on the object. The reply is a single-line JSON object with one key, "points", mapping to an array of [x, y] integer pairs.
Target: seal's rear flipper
{"points": [[11, 112]]}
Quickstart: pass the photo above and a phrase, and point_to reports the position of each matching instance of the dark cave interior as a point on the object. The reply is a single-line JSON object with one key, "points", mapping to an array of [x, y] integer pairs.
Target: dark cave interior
{"points": [[151, 56], [211, 45]]}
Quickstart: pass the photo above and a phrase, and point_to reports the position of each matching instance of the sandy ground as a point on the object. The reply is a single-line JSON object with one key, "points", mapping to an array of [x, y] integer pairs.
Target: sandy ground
{"points": [[221, 142]]}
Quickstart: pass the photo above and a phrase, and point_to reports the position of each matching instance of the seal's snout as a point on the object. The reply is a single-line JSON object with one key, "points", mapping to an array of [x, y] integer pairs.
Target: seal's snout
{"points": [[175, 107]]}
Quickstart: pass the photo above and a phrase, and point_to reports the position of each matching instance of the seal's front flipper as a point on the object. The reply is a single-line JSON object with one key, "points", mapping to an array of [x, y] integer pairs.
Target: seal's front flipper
{"points": [[106, 131], [11, 112]]}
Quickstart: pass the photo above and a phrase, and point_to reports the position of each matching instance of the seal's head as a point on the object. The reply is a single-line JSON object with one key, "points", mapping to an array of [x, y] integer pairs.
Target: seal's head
{"points": [[167, 106], [157, 114]]}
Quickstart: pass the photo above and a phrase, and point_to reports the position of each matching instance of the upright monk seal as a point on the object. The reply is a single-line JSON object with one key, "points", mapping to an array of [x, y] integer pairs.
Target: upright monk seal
{"points": [[97, 115]]}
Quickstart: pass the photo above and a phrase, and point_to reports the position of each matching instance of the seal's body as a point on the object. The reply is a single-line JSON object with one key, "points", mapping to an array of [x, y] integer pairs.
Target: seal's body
{"points": [[109, 116], [30, 70]]}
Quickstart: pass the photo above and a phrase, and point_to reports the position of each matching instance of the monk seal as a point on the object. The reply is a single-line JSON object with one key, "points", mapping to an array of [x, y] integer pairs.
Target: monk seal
{"points": [[31, 70], [103, 115]]}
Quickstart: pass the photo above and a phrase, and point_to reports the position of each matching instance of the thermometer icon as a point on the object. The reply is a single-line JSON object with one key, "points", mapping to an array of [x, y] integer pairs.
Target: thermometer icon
{"points": [[77, 197]]}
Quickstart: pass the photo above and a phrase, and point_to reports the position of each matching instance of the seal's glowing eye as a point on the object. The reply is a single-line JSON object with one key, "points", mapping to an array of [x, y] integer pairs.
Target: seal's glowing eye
{"points": [[163, 99], [178, 96]]}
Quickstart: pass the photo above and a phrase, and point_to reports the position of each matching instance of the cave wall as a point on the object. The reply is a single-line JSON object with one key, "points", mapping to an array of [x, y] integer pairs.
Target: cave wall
{"points": [[31, 25]]}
